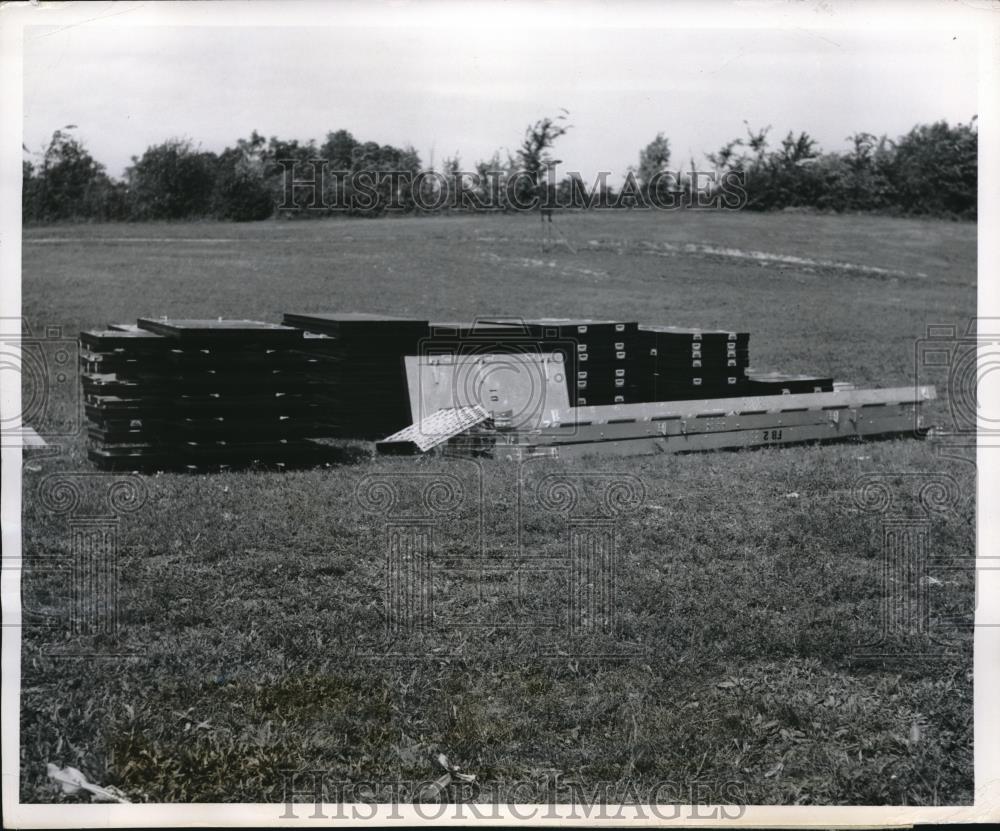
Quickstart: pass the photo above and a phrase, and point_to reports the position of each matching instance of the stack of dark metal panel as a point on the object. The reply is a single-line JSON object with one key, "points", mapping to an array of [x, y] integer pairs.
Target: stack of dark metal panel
{"points": [[606, 352], [498, 336], [359, 375], [682, 364], [169, 394], [600, 357]]}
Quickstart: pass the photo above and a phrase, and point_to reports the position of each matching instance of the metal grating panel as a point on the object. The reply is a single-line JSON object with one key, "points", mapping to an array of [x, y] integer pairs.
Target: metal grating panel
{"points": [[433, 430]]}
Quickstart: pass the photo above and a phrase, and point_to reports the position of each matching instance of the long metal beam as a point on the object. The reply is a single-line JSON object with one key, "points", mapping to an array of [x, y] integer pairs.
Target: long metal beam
{"points": [[574, 433], [746, 405], [831, 430]]}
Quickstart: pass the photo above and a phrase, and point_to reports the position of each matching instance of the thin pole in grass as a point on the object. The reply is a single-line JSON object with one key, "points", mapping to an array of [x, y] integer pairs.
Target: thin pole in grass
{"points": [[546, 208]]}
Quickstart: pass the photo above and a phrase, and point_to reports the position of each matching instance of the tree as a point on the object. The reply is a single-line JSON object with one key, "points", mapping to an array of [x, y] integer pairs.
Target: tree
{"points": [[30, 200], [930, 170], [796, 150], [934, 169], [726, 158], [863, 184], [862, 148], [287, 160], [241, 192], [490, 173], [533, 155], [339, 150], [68, 184], [757, 141], [172, 180], [654, 159]]}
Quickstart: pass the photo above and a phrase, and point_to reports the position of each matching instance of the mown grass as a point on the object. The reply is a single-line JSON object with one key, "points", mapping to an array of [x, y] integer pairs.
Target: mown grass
{"points": [[251, 604]]}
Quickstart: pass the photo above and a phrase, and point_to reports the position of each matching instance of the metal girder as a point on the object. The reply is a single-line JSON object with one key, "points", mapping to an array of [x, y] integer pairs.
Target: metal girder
{"points": [[569, 433], [745, 405], [829, 430]]}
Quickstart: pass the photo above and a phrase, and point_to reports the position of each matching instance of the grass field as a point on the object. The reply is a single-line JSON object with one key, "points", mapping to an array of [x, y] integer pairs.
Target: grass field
{"points": [[251, 605]]}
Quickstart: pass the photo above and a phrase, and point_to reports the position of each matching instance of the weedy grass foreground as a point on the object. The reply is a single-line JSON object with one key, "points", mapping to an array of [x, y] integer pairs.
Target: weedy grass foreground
{"points": [[252, 639]]}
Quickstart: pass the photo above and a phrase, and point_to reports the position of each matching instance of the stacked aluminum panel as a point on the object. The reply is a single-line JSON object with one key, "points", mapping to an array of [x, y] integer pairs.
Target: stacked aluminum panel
{"points": [[359, 375], [175, 394], [600, 357], [203, 393], [682, 364], [621, 362], [606, 351], [687, 364]]}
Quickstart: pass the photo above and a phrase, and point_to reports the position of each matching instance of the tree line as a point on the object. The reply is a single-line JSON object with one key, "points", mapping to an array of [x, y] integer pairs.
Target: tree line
{"points": [[932, 170]]}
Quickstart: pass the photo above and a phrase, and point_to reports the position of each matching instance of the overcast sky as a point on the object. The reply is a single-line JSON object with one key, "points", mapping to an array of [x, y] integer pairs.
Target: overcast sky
{"points": [[472, 90]]}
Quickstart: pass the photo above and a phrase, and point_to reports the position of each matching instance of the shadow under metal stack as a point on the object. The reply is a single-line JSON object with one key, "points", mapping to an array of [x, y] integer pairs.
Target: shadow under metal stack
{"points": [[682, 364], [358, 369], [170, 394]]}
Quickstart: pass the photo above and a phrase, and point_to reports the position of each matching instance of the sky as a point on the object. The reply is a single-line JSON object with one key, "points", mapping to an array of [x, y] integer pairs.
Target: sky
{"points": [[471, 88]]}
